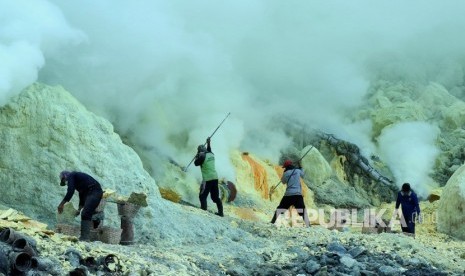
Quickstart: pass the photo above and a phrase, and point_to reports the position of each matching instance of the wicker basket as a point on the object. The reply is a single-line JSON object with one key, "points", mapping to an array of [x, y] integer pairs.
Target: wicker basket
{"points": [[68, 229], [107, 234], [94, 234], [128, 209]]}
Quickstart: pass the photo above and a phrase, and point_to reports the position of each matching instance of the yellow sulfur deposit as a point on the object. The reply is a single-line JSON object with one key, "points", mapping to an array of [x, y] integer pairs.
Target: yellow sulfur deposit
{"points": [[260, 176], [170, 195]]}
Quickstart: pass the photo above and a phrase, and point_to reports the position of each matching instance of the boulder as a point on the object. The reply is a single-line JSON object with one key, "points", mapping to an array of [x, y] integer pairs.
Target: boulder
{"points": [[451, 215]]}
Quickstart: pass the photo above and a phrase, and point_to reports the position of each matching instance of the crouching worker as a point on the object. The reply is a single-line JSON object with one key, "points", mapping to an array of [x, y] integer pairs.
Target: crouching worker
{"points": [[293, 195], [90, 194]]}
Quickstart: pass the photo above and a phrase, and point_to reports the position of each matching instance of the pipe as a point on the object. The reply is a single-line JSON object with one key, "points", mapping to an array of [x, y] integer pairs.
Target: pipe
{"points": [[22, 245], [4, 265], [111, 263], [40, 264], [357, 159], [8, 235], [78, 272], [20, 261], [89, 262], [73, 257]]}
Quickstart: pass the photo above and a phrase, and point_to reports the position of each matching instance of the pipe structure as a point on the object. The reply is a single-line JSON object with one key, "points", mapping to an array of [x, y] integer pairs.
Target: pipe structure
{"points": [[20, 261], [73, 257], [111, 263], [22, 245], [78, 272], [352, 153], [9, 235], [4, 264], [39, 264]]}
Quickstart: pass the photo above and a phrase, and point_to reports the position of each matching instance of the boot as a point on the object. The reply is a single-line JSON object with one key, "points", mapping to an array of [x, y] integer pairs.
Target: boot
{"points": [[219, 204], [85, 230]]}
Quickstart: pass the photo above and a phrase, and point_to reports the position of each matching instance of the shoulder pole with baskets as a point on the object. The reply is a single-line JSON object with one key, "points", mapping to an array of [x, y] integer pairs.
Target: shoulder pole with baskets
{"points": [[127, 211]]}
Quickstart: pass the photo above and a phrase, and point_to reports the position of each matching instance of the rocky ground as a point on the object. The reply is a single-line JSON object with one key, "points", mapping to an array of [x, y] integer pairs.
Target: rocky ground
{"points": [[242, 247]]}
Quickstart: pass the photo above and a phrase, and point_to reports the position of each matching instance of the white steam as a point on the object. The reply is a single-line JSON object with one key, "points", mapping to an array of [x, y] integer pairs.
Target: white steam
{"points": [[409, 150], [29, 30], [165, 73]]}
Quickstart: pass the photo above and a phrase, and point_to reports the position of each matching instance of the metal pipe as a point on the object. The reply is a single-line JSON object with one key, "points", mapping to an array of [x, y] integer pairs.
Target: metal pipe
{"points": [[78, 272], [40, 264], [356, 159], [22, 245], [111, 263], [20, 261], [8, 235], [4, 264]]}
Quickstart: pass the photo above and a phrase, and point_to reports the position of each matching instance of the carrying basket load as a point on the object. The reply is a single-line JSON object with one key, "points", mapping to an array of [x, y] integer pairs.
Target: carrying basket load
{"points": [[128, 210], [106, 234], [228, 191], [68, 229]]}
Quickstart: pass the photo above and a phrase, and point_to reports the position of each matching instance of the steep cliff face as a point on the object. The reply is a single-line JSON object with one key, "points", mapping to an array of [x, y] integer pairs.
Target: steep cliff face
{"points": [[44, 130]]}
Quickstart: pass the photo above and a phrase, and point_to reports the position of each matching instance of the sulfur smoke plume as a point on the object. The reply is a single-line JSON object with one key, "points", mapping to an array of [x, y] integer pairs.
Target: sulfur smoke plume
{"points": [[165, 73]]}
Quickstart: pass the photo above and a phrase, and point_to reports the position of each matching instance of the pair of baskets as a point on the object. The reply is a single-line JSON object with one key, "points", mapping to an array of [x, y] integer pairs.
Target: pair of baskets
{"points": [[128, 210], [104, 234], [68, 229]]}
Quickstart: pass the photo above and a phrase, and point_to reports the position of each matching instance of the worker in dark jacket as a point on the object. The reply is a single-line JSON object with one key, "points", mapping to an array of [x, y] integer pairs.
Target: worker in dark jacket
{"points": [[90, 194], [293, 195], [410, 208], [206, 160]]}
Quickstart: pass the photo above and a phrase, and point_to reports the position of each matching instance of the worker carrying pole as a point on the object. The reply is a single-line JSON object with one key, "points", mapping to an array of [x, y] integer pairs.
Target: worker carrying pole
{"points": [[281, 181], [209, 137], [293, 195]]}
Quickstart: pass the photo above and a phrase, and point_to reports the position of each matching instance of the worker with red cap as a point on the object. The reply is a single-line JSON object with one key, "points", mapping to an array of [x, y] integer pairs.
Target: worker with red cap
{"points": [[293, 195]]}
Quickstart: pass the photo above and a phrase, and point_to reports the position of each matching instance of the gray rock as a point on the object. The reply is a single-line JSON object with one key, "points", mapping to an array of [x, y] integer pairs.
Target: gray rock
{"points": [[347, 261], [367, 273], [323, 271], [336, 248], [357, 251], [355, 271], [327, 260], [311, 266], [414, 262], [237, 271], [386, 270]]}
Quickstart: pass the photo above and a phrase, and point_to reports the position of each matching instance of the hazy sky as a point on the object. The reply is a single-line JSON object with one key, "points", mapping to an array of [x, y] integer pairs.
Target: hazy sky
{"points": [[167, 72]]}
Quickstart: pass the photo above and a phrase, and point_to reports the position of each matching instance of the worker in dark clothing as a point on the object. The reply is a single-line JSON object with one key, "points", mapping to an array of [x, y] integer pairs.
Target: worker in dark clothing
{"points": [[410, 208], [206, 160], [90, 194], [293, 195]]}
